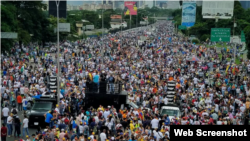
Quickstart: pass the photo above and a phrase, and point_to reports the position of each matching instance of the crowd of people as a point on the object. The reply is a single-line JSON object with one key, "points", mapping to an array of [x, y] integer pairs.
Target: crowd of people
{"points": [[211, 90]]}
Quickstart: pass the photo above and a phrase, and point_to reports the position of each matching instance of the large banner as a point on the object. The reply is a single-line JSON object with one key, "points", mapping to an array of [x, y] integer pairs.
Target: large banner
{"points": [[188, 13], [130, 8], [218, 9]]}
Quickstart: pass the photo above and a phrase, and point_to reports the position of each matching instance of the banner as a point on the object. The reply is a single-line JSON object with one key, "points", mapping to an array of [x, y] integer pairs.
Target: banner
{"points": [[130, 8], [188, 13]]}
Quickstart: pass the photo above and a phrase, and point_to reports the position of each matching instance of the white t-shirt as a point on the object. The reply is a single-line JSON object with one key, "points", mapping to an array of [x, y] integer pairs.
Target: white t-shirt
{"points": [[155, 123], [103, 136], [5, 111], [8, 120], [25, 123]]}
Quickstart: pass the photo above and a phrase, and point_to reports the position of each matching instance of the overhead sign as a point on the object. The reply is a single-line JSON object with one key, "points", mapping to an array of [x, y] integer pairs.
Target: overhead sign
{"points": [[130, 8], [182, 27], [220, 34], [217, 9], [8, 35], [243, 38], [188, 13], [64, 27], [235, 39], [90, 27]]}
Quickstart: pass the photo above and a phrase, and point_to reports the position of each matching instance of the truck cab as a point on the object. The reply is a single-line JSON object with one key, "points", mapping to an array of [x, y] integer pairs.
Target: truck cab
{"points": [[36, 114], [171, 111]]}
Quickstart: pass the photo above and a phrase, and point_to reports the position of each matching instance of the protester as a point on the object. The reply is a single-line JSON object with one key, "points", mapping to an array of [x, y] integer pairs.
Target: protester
{"points": [[210, 89]]}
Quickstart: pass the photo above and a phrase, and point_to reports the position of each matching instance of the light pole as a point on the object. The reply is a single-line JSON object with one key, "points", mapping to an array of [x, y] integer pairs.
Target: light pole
{"points": [[102, 30], [121, 22], [57, 58]]}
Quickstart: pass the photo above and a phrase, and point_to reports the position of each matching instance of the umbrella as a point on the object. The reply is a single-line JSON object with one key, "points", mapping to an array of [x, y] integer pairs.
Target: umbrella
{"points": [[193, 58]]}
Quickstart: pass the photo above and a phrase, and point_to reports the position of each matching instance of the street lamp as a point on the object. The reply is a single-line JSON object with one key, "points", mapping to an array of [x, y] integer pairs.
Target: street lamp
{"points": [[58, 48]]}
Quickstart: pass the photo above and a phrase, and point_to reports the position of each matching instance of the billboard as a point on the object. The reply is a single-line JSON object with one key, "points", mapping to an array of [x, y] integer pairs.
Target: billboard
{"points": [[63, 27], [9, 35], [130, 8], [90, 27], [62, 9], [217, 9], [188, 13], [116, 16], [143, 22]]}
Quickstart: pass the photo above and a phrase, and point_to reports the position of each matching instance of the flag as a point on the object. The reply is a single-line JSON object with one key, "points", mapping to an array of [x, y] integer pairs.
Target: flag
{"points": [[141, 116], [37, 97], [90, 76], [159, 49], [228, 67], [233, 69]]}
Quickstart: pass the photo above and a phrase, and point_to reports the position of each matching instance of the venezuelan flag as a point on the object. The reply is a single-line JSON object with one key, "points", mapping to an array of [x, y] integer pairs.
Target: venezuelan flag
{"points": [[90, 76], [141, 115], [228, 67], [233, 70], [159, 49]]}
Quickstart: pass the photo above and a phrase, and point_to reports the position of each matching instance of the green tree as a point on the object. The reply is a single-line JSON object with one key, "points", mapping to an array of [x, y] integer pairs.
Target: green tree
{"points": [[28, 15], [8, 24]]}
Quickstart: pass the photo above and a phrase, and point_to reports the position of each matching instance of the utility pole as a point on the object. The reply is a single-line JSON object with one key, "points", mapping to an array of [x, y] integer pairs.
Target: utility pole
{"points": [[121, 22], [57, 58], [130, 21], [102, 50], [233, 40]]}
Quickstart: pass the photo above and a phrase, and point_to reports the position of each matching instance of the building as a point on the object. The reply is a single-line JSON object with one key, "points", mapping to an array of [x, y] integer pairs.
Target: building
{"points": [[158, 2], [173, 5], [118, 4], [116, 21], [245, 4], [140, 4], [199, 3], [47, 4], [149, 4], [163, 5]]}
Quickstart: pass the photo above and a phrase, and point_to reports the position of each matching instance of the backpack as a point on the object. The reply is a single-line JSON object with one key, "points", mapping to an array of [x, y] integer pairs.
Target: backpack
{"points": [[86, 131], [66, 121], [95, 129], [14, 111], [111, 79]]}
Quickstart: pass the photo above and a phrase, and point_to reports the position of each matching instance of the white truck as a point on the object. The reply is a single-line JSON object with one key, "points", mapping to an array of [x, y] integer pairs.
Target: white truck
{"points": [[171, 111]]}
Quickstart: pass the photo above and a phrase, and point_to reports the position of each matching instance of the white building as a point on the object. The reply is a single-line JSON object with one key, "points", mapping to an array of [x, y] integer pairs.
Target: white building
{"points": [[118, 25], [173, 4]]}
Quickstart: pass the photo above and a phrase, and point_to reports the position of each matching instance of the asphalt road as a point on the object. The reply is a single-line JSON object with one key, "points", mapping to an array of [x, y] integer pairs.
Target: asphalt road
{"points": [[31, 130]]}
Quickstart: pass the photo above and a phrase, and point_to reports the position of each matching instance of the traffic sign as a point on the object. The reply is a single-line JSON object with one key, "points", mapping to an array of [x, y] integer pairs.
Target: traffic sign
{"points": [[220, 34], [243, 38], [182, 27]]}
